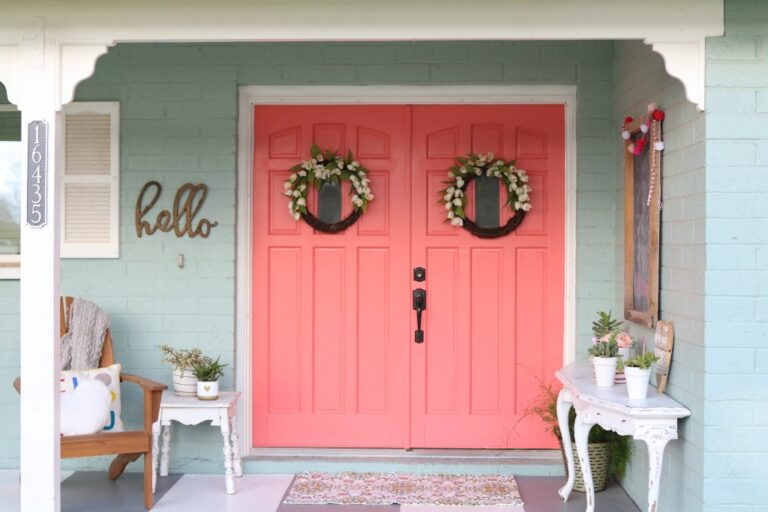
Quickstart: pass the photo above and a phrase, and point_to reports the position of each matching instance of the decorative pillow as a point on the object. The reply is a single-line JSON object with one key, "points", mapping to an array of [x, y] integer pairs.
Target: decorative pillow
{"points": [[110, 376], [85, 410]]}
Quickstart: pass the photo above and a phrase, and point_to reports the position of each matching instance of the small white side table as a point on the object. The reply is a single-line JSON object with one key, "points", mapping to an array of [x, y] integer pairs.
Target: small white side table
{"points": [[653, 420], [192, 411]]}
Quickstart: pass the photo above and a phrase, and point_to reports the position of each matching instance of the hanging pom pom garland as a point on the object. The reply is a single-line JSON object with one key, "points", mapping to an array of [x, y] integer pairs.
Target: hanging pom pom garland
{"points": [[650, 128]]}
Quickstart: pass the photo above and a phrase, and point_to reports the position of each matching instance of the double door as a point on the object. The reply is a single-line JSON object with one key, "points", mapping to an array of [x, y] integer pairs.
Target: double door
{"points": [[335, 359]]}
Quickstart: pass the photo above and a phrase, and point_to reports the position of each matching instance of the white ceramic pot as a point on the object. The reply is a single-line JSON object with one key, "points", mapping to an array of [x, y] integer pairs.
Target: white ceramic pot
{"points": [[184, 383], [625, 353], [605, 370], [207, 390], [637, 382]]}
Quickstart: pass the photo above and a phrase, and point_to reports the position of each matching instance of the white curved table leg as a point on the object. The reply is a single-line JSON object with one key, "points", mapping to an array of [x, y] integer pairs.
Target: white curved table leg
{"points": [[656, 440], [564, 404], [229, 474], [581, 433], [236, 462], [155, 452], [165, 450]]}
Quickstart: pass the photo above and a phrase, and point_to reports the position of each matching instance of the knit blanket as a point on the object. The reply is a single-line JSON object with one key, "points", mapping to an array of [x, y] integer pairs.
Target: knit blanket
{"points": [[81, 346]]}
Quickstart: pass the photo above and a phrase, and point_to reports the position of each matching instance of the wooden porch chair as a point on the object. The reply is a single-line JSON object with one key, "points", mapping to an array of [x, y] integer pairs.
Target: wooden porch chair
{"points": [[128, 445]]}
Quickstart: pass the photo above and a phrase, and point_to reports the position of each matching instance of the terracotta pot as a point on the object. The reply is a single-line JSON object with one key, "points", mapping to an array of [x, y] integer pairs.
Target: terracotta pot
{"points": [[184, 383], [207, 390], [605, 370], [637, 382]]}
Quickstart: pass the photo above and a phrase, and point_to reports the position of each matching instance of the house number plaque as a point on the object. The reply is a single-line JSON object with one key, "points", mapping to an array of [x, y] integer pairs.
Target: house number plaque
{"points": [[37, 174]]}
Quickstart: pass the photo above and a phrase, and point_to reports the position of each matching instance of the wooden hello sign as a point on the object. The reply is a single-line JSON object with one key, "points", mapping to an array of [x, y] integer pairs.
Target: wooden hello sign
{"points": [[181, 219]]}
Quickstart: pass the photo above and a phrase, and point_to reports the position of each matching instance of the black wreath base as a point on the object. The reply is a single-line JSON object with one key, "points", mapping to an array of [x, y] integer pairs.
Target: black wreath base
{"points": [[331, 228], [498, 232]]}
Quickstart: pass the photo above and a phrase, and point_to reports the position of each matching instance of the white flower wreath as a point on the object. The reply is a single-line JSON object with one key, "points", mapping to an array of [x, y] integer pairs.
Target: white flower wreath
{"points": [[326, 166], [454, 195]]}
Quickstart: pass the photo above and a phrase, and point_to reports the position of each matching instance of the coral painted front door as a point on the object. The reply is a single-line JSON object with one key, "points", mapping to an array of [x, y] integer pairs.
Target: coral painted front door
{"points": [[494, 319], [334, 359]]}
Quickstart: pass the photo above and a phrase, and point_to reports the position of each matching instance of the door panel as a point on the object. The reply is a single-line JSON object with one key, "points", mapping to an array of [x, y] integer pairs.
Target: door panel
{"points": [[494, 322], [330, 312]]}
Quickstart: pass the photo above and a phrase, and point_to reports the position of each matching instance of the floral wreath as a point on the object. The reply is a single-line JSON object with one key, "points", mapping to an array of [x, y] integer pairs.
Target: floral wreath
{"points": [[326, 166], [650, 127], [472, 166]]}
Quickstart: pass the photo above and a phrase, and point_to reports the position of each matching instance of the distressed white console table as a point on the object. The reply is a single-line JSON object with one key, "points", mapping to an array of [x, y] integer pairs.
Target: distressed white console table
{"points": [[221, 413], [653, 420]]}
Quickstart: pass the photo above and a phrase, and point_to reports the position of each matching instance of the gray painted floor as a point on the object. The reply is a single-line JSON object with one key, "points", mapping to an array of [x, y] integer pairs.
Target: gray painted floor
{"points": [[89, 491]]}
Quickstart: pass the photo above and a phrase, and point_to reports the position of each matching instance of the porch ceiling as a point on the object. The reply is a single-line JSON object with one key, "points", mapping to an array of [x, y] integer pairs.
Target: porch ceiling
{"points": [[273, 20]]}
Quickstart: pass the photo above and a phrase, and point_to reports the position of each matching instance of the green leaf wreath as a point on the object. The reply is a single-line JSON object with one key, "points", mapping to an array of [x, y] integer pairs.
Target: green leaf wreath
{"points": [[326, 166], [454, 195]]}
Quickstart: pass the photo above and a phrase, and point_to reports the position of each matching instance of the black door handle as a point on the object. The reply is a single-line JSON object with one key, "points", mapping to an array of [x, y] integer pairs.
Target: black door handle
{"points": [[419, 305]]}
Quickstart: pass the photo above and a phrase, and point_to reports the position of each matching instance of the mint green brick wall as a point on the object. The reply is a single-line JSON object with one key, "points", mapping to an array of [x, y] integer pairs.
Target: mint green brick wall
{"points": [[736, 376], [640, 78], [178, 124]]}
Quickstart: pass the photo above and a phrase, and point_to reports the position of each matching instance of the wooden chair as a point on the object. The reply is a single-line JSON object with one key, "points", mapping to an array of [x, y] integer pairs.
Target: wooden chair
{"points": [[129, 445]]}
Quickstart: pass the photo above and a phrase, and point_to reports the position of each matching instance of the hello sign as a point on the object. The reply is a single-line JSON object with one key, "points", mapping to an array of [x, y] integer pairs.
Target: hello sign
{"points": [[181, 219]]}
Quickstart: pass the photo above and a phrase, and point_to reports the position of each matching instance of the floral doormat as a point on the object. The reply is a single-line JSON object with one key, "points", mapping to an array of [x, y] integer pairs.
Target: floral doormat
{"points": [[403, 489]]}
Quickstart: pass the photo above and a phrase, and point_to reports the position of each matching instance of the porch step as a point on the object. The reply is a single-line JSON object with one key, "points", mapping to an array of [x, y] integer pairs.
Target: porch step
{"points": [[472, 462]]}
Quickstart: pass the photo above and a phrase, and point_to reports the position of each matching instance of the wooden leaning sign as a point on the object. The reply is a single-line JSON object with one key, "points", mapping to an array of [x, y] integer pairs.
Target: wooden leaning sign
{"points": [[37, 174]]}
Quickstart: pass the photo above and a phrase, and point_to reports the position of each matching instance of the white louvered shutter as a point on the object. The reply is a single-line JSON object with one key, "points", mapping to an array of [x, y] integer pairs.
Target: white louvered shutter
{"points": [[91, 181]]}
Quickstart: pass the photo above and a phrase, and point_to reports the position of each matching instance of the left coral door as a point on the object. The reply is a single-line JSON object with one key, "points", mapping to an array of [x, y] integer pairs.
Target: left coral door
{"points": [[330, 323]]}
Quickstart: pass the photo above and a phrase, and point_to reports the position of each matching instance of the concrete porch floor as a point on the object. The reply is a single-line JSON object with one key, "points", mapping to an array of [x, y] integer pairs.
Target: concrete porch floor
{"points": [[91, 491]]}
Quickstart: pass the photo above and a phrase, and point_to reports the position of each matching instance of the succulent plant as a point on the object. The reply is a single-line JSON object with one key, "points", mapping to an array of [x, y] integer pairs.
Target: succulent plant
{"points": [[643, 361], [604, 324]]}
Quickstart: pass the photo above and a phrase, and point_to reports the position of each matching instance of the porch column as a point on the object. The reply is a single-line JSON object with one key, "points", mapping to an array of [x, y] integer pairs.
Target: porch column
{"points": [[38, 99]]}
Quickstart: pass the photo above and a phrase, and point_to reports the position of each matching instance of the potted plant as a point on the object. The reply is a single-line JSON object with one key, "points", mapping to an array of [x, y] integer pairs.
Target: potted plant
{"points": [[208, 373], [638, 372], [604, 326], [604, 359], [609, 452], [183, 361]]}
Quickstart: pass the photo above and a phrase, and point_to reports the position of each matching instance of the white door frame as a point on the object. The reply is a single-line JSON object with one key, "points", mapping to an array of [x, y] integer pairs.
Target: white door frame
{"points": [[249, 96]]}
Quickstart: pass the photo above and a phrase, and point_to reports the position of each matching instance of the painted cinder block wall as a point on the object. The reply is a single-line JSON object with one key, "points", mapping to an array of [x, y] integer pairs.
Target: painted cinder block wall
{"points": [[178, 124], [736, 304], [640, 78]]}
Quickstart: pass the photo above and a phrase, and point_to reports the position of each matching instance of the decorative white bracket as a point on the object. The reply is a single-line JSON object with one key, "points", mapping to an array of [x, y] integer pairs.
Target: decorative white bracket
{"points": [[77, 64], [685, 60]]}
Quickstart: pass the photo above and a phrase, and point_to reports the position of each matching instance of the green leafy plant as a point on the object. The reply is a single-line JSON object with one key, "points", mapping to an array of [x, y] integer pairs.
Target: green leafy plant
{"points": [[181, 359], [209, 370], [545, 407], [604, 324], [643, 361], [608, 348]]}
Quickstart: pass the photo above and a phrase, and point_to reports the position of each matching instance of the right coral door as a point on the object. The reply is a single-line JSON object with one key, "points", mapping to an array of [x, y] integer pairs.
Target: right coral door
{"points": [[495, 307]]}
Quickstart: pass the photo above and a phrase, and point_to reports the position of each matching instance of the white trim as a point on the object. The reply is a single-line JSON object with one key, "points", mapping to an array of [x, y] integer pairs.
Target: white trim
{"points": [[10, 263], [95, 250], [305, 95]]}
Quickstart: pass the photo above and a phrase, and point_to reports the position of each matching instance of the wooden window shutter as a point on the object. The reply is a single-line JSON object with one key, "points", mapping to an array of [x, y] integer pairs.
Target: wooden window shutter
{"points": [[90, 206]]}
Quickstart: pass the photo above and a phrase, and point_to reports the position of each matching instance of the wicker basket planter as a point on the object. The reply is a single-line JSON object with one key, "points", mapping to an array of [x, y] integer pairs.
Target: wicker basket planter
{"points": [[599, 459]]}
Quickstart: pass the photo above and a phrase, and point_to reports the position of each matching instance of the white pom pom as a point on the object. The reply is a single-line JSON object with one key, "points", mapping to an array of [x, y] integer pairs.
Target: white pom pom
{"points": [[644, 128], [625, 134], [658, 145]]}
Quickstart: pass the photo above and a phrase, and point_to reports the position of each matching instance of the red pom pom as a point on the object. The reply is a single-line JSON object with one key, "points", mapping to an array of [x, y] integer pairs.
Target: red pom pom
{"points": [[628, 120], [658, 115], [640, 144]]}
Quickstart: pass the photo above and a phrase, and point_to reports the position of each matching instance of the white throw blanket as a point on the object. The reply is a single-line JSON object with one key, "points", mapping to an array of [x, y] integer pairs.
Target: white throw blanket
{"points": [[81, 346]]}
